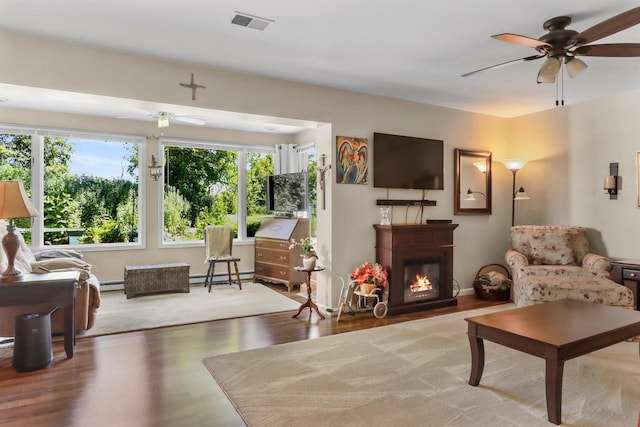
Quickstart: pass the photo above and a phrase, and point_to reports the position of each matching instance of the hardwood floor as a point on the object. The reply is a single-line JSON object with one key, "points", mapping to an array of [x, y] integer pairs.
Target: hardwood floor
{"points": [[156, 377]]}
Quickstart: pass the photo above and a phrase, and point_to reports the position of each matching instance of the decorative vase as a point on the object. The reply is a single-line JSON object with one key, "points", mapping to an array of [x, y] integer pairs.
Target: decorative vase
{"points": [[309, 262], [367, 288]]}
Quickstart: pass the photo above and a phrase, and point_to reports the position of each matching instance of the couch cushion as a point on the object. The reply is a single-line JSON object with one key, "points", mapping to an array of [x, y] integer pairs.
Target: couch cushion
{"points": [[590, 289], [62, 264], [550, 244], [543, 255]]}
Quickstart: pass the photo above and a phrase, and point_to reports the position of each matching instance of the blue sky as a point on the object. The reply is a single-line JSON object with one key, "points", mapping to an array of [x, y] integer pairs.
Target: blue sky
{"points": [[99, 158]]}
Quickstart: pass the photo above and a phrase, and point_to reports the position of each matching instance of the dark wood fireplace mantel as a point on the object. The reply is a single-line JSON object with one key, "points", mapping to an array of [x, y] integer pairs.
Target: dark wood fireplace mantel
{"points": [[399, 244]]}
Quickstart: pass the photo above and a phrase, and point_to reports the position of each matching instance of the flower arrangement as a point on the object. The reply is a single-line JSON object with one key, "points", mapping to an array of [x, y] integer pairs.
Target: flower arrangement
{"points": [[371, 273], [306, 246]]}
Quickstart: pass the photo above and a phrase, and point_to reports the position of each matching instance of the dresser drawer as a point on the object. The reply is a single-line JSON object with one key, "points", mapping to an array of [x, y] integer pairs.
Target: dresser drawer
{"points": [[281, 245], [272, 256], [272, 270]]}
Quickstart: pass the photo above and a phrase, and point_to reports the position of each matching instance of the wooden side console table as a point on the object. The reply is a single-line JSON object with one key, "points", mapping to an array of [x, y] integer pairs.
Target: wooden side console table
{"points": [[58, 289], [627, 273]]}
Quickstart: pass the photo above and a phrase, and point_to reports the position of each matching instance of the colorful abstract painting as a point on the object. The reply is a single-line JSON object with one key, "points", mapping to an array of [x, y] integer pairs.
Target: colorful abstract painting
{"points": [[352, 158]]}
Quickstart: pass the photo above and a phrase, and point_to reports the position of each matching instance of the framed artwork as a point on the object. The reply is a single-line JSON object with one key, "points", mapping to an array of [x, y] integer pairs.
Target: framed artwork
{"points": [[352, 156]]}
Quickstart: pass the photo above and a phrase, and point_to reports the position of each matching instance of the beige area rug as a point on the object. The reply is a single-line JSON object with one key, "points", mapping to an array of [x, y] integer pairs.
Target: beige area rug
{"points": [[119, 314], [415, 374]]}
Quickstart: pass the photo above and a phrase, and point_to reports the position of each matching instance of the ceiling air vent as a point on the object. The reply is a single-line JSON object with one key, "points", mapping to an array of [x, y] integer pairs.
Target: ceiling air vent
{"points": [[251, 21]]}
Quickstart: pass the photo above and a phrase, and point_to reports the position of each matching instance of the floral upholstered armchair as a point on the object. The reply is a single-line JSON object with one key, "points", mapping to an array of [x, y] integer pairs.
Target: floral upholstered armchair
{"points": [[553, 262]]}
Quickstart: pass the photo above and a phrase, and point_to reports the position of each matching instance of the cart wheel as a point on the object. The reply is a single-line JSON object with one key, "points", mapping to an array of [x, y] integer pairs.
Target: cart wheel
{"points": [[380, 310]]}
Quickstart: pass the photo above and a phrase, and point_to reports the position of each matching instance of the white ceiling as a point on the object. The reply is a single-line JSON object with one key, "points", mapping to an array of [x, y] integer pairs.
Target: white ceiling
{"points": [[409, 49]]}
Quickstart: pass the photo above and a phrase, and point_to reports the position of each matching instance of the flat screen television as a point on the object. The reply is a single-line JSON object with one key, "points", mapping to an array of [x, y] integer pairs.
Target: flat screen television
{"points": [[407, 162], [287, 193]]}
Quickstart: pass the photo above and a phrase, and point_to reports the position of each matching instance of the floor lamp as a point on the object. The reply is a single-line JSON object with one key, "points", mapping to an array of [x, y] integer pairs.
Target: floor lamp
{"points": [[514, 166], [14, 203]]}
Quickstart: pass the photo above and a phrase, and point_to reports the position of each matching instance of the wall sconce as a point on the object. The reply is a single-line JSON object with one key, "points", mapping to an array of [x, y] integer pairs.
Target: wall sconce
{"points": [[155, 169], [470, 195], [611, 181]]}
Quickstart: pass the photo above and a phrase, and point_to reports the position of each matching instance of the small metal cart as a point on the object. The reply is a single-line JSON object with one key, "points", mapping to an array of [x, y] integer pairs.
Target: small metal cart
{"points": [[364, 302]]}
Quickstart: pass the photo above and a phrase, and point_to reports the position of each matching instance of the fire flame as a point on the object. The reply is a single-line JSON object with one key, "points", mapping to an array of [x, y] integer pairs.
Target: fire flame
{"points": [[421, 283]]}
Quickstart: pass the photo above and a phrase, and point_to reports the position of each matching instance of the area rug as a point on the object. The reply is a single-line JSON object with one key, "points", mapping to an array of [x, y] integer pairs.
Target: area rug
{"points": [[119, 314], [415, 374]]}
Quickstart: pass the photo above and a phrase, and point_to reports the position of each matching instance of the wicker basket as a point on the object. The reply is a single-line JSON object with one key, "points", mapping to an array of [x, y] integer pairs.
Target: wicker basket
{"points": [[480, 285]]}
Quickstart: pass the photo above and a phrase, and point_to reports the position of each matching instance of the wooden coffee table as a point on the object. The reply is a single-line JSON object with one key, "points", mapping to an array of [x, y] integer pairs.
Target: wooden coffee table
{"points": [[555, 331]]}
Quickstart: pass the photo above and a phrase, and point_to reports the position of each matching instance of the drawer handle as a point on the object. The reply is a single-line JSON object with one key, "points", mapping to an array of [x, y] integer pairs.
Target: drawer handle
{"points": [[283, 258], [632, 274], [259, 253], [283, 272]]}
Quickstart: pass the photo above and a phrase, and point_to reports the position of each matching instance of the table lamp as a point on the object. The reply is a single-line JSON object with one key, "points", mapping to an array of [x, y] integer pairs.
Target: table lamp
{"points": [[14, 203]]}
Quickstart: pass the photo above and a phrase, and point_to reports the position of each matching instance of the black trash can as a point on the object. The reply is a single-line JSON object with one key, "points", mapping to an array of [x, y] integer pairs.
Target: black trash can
{"points": [[32, 347]]}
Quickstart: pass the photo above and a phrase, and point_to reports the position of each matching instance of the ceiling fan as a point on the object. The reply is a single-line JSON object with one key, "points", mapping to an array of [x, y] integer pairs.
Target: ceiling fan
{"points": [[165, 118], [562, 46]]}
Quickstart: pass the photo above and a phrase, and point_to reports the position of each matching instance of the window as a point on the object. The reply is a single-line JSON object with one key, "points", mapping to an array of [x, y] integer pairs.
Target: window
{"points": [[213, 184], [86, 186], [15, 164]]}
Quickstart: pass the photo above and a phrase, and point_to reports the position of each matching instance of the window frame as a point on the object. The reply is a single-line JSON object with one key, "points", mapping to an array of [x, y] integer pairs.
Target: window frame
{"points": [[38, 135], [241, 150]]}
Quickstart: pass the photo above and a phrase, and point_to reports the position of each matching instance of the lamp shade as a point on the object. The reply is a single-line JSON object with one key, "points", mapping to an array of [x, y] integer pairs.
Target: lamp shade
{"points": [[482, 166], [575, 66], [521, 195], [549, 70], [514, 164], [14, 202]]}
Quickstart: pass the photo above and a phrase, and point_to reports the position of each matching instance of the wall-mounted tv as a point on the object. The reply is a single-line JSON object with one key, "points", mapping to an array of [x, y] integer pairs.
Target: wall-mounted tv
{"points": [[407, 162], [287, 193]]}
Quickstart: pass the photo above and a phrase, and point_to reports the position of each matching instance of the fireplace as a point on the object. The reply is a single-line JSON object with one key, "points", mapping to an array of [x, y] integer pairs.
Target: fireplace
{"points": [[419, 258]]}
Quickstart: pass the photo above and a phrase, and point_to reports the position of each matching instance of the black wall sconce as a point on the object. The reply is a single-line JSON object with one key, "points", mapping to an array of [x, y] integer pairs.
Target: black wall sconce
{"points": [[611, 181]]}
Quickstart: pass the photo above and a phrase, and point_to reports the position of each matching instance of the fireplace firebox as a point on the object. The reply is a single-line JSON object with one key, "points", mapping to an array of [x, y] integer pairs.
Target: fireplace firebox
{"points": [[419, 259]]}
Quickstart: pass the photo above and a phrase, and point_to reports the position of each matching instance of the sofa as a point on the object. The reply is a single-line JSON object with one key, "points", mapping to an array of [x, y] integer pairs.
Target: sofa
{"points": [[87, 298], [552, 262]]}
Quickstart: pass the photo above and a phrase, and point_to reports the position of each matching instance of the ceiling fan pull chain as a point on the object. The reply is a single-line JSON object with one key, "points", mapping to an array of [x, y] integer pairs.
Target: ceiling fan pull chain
{"points": [[562, 82]]}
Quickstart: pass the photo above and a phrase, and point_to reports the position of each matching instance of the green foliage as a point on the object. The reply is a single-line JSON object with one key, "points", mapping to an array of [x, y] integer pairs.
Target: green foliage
{"points": [[15, 158], [199, 174], [176, 209], [253, 226], [111, 231], [259, 167]]}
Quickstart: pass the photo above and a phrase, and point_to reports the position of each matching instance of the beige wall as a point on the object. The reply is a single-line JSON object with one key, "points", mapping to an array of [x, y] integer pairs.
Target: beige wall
{"points": [[573, 147], [570, 149]]}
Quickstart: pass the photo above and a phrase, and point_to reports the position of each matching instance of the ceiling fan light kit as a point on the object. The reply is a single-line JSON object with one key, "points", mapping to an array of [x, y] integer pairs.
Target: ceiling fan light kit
{"points": [[163, 120], [574, 66], [560, 45]]}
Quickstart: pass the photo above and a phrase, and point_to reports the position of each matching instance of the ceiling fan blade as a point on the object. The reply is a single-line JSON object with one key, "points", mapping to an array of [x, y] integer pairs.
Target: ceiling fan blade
{"points": [[606, 28], [609, 50], [191, 120], [528, 58], [521, 40]]}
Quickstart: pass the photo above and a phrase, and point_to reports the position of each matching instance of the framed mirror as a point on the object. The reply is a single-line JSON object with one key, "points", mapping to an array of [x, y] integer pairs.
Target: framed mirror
{"points": [[472, 193]]}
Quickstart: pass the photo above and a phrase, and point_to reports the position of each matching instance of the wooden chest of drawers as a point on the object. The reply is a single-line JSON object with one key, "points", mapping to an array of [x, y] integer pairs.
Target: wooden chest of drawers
{"points": [[274, 261]]}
